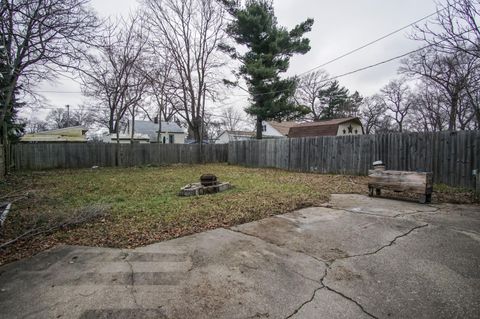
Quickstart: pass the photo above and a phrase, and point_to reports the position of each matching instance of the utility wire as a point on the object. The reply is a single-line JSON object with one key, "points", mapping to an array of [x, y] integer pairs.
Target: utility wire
{"points": [[321, 65], [371, 42]]}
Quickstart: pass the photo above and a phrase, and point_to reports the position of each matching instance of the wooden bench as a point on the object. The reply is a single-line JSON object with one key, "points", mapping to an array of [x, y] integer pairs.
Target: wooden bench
{"points": [[420, 183]]}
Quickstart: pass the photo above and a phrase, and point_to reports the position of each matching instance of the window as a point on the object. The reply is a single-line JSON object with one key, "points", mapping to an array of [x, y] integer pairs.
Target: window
{"points": [[264, 128], [171, 139], [164, 140]]}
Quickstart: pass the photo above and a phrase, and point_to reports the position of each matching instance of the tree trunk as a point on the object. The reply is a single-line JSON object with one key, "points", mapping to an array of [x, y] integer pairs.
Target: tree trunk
{"points": [[259, 128], [6, 149], [132, 135], [452, 122]]}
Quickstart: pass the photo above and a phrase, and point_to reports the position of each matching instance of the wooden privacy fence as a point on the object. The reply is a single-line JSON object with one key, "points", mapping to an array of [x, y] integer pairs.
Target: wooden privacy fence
{"points": [[81, 155], [451, 156]]}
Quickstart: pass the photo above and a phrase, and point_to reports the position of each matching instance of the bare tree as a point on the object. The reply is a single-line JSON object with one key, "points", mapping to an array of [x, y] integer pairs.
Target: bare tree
{"points": [[162, 89], [37, 39], [373, 111], [454, 28], [450, 72], [189, 33], [309, 92], [430, 111], [113, 76], [213, 127], [397, 98], [231, 119], [35, 125], [60, 118]]}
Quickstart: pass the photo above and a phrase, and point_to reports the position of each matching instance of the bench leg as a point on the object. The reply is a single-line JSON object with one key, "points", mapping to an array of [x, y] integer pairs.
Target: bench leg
{"points": [[428, 198], [422, 199], [370, 191], [425, 198], [378, 191]]}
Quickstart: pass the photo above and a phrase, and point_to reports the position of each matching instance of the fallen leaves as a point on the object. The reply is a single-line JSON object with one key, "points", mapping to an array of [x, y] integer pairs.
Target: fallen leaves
{"points": [[143, 206]]}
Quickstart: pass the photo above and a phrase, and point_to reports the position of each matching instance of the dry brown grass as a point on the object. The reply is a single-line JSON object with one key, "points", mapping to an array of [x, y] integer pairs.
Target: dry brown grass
{"points": [[144, 206]]}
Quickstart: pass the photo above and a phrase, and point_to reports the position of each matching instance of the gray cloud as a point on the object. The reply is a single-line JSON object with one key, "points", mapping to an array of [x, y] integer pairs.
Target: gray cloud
{"points": [[340, 26]]}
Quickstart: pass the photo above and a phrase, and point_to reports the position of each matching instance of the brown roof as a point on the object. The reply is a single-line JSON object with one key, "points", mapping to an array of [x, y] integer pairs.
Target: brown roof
{"points": [[282, 127], [321, 128]]}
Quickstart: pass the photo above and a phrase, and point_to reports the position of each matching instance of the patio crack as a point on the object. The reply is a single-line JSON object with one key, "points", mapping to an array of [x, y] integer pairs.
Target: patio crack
{"points": [[385, 246], [305, 303], [359, 305], [329, 265], [132, 279]]}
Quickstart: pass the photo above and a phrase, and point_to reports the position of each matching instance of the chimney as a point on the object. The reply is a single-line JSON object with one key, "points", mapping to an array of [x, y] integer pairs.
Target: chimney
{"points": [[155, 120]]}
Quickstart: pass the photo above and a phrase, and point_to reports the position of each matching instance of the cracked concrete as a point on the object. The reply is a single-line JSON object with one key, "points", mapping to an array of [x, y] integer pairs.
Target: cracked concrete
{"points": [[357, 257]]}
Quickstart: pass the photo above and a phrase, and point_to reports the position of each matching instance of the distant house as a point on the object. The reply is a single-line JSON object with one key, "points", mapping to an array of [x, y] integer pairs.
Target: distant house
{"points": [[73, 134], [276, 129], [232, 136], [171, 132], [124, 138], [147, 132], [336, 127]]}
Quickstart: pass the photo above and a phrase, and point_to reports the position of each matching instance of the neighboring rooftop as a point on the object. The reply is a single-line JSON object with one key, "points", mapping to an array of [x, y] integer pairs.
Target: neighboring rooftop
{"points": [[320, 128], [240, 133], [67, 134], [150, 128], [282, 127]]}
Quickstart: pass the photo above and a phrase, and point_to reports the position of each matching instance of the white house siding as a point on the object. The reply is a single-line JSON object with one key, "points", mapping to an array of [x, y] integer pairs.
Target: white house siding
{"points": [[356, 129], [223, 139], [179, 138], [227, 137], [270, 131]]}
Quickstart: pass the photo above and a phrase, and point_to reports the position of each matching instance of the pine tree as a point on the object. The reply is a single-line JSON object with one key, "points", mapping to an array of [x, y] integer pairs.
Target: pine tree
{"points": [[269, 49]]}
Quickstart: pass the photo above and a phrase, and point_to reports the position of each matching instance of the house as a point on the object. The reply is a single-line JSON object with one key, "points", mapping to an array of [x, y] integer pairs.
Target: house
{"points": [[147, 132], [73, 134], [336, 127], [171, 132], [124, 138], [233, 136], [276, 129]]}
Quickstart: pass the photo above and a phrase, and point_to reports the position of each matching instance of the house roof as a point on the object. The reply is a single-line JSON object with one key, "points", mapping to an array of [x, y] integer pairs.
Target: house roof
{"points": [[67, 134], [62, 131], [239, 133], [282, 127], [321, 128]]}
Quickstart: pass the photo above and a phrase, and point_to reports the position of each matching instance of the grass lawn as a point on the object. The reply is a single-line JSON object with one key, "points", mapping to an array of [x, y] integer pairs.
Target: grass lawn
{"points": [[142, 205]]}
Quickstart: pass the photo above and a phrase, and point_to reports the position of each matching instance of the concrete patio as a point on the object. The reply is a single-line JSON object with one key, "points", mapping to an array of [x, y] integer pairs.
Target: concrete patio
{"points": [[356, 257]]}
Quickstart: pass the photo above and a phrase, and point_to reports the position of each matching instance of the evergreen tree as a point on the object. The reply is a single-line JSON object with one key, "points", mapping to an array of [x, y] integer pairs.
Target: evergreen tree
{"points": [[334, 97], [269, 48], [338, 102]]}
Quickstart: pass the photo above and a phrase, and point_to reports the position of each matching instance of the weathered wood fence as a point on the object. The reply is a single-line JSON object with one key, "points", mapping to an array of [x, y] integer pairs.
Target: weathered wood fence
{"points": [[81, 155], [451, 156], [2, 162]]}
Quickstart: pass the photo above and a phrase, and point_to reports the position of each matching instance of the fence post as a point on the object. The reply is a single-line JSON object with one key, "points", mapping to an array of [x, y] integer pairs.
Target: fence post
{"points": [[476, 176]]}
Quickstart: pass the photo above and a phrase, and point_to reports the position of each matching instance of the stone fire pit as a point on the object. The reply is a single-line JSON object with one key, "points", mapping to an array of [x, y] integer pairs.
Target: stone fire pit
{"points": [[208, 185]]}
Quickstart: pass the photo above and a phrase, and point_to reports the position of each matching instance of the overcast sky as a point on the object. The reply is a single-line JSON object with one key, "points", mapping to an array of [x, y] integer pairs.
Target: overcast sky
{"points": [[339, 27]]}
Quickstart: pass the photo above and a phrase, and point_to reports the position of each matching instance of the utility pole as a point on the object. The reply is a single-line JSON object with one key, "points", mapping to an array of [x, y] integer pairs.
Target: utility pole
{"points": [[68, 115]]}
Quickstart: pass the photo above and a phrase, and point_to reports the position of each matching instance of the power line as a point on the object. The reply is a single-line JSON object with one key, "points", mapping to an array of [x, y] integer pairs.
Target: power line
{"points": [[371, 42], [356, 50], [319, 66], [376, 64], [59, 92]]}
